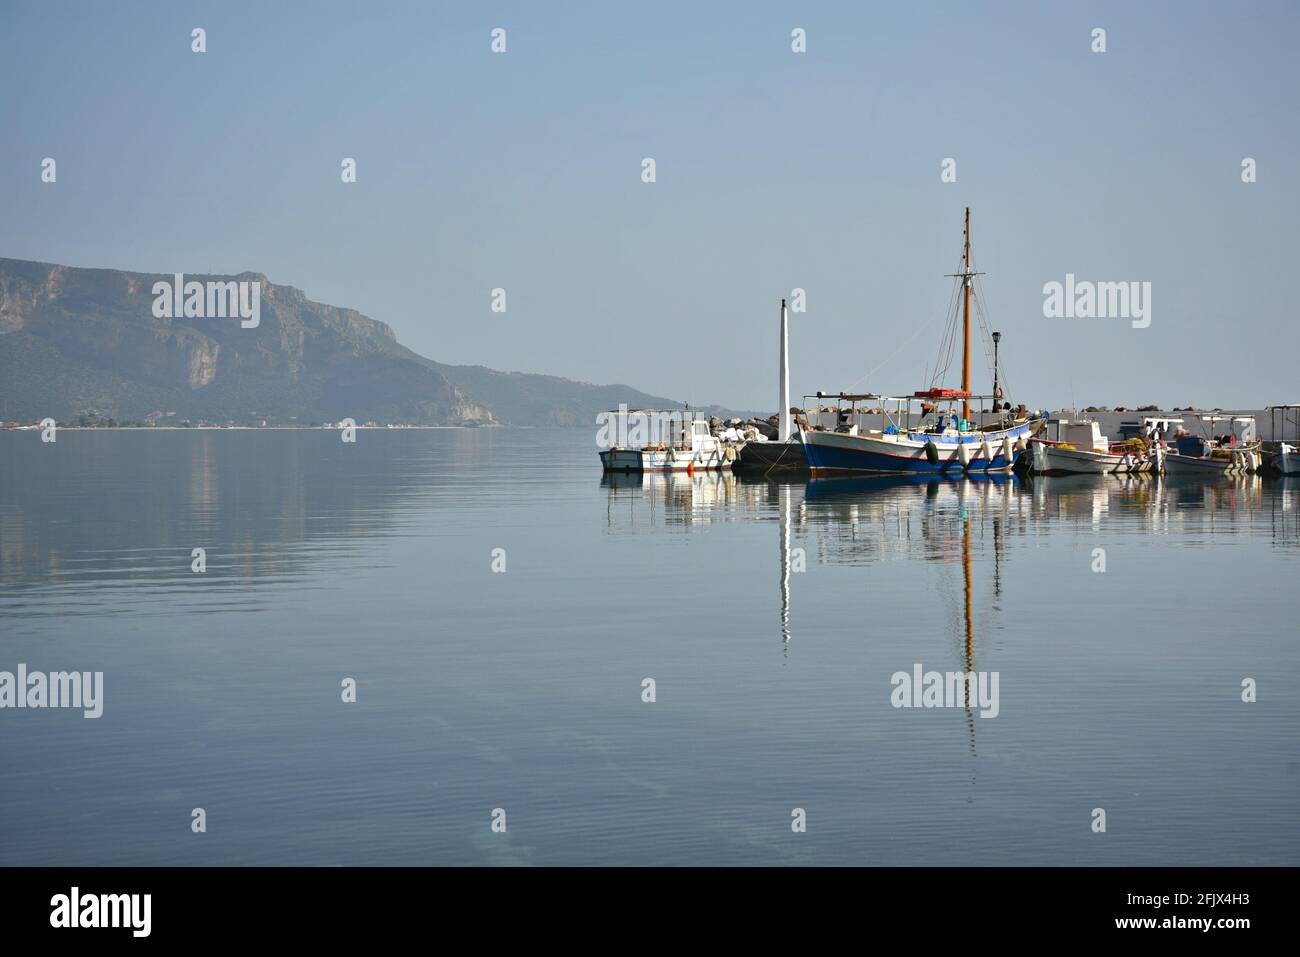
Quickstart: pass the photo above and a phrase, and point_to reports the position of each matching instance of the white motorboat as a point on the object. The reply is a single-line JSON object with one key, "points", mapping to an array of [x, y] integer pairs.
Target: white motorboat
{"points": [[665, 445]]}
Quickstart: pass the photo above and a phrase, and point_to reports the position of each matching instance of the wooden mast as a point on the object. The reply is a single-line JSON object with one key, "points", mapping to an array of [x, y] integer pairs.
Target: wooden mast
{"points": [[965, 347]]}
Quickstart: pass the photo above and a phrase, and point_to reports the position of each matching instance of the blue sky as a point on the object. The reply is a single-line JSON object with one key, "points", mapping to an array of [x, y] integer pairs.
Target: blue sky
{"points": [[775, 170]]}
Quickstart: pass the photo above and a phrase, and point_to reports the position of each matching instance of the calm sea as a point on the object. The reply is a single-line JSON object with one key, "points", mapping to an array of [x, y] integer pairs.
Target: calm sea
{"points": [[771, 617]]}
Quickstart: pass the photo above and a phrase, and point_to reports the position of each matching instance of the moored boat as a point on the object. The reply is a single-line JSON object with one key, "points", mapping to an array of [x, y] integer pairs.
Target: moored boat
{"points": [[1283, 453], [1236, 452], [687, 446], [1236, 462], [940, 443], [941, 440], [1080, 449]]}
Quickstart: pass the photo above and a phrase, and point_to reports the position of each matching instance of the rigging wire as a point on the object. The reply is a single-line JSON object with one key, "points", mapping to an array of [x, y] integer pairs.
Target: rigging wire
{"points": [[948, 343], [920, 327]]}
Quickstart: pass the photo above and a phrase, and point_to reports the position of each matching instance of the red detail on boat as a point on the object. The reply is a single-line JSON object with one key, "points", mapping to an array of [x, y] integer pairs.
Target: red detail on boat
{"points": [[941, 394]]}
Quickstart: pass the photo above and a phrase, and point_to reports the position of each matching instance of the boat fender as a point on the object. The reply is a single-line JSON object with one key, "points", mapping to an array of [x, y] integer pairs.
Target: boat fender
{"points": [[986, 453], [932, 453], [963, 454], [730, 453], [1008, 449]]}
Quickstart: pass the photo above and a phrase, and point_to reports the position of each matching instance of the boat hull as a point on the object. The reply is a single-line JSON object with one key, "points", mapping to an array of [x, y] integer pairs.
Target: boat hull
{"points": [[664, 460], [771, 456], [1177, 465], [1054, 460], [840, 453], [1287, 463]]}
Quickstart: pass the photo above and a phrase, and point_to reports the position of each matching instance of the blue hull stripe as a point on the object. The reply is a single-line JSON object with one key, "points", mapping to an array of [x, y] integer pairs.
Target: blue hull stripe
{"points": [[857, 460]]}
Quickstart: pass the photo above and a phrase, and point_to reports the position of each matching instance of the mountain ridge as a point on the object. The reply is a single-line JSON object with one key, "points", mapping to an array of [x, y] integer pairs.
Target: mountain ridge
{"points": [[77, 340]]}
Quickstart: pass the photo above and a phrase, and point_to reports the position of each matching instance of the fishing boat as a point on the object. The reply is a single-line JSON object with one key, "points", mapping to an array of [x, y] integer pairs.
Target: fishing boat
{"points": [[1236, 452], [1080, 449], [939, 440], [664, 442], [1284, 455]]}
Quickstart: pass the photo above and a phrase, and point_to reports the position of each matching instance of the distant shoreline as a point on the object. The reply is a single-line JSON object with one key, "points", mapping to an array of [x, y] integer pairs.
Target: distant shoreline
{"points": [[250, 428]]}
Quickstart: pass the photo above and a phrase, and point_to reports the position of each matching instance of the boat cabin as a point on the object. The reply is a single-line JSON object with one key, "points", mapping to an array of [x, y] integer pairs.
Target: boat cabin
{"points": [[1085, 436]]}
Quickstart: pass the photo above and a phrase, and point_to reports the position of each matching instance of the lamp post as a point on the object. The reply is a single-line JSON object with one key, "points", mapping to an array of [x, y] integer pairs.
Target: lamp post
{"points": [[997, 389]]}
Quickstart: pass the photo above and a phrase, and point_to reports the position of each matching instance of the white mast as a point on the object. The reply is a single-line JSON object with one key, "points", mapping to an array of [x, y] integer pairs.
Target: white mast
{"points": [[784, 429]]}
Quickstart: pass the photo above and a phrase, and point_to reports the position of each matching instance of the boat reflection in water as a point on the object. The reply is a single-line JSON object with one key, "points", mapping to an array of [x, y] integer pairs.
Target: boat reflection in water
{"points": [[1152, 503], [861, 520], [853, 521], [1285, 511], [945, 520], [668, 498], [980, 575]]}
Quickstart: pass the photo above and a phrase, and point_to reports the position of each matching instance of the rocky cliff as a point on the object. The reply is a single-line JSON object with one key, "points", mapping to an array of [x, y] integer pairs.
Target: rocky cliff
{"points": [[74, 341]]}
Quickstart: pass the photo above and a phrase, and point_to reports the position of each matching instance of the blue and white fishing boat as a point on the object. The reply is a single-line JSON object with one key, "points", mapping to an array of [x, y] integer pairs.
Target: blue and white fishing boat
{"points": [[938, 440]]}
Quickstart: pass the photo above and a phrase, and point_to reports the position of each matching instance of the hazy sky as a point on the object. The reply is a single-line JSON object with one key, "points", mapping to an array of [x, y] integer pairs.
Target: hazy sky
{"points": [[775, 170]]}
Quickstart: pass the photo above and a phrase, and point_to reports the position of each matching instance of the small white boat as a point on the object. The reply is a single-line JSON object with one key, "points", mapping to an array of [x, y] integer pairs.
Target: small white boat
{"points": [[688, 447], [1081, 449], [1237, 462], [1234, 453], [1052, 459], [1284, 455]]}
